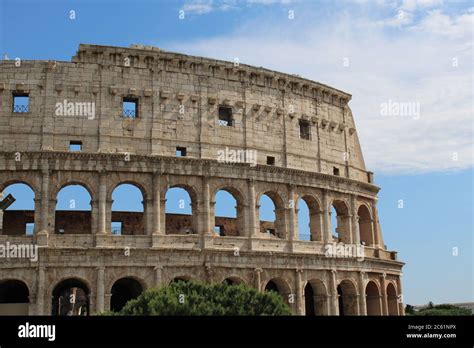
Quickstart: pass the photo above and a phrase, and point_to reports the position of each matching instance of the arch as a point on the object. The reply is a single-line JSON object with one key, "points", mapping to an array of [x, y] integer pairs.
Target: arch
{"points": [[128, 209], [228, 210], [74, 209], [124, 290], [315, 298], [392, 299], [340, 208], [70, 297], [347, 298], [75, 182], [19, 217], [280, 286], [14, 297], [181, 213], [135, 183], [310, 218], [11, 182], [366, 229], [373, 299], [272, 223]]}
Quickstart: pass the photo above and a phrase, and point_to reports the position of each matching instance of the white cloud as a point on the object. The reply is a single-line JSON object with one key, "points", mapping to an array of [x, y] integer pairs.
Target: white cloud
{"points": [[420, 64], [436, 22], [412, 5], [198, 7]]}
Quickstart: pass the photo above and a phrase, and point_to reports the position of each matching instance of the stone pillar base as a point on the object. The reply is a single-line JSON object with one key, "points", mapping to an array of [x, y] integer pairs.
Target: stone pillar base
{"points": [[158, 241], [41, 238]]}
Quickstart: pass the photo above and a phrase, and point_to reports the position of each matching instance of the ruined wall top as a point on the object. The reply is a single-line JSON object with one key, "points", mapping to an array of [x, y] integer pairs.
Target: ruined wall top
{"points": [[284, 120]]}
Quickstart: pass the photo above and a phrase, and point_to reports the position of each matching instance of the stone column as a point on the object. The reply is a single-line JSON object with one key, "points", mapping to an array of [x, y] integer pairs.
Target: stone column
{"points": [[299, 293], [327, 235], [258, 279], [333, 293], [157, 224], [158, 275], [378, 243], [355, 222], [383, 285], [40, 310], [100, 289], [253, 228], [102, 203], [206, 228], [292, 230], [148, 216], [45, 202], [362, 297], [401, 307]]}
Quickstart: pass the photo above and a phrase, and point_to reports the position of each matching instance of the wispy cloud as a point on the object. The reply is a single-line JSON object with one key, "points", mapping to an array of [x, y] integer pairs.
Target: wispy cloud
{"points": [[200, 7], [427, 61]]}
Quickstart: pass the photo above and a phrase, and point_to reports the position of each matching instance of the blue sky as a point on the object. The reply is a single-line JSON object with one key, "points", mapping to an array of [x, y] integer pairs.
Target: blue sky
{"points": [[379, 51]]}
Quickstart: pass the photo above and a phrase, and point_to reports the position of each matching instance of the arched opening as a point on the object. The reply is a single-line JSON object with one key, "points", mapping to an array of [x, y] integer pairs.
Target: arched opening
{"points": [[272, 215], [315, 298], [309, 300], [347, 298], [14, 297], [73, 213], [340, 222], [180, 207], [272, 286], [365, 226], [373, 299], [233, 281], [17, 210], [228, 213], [71, 298], [124, 290], [392, 300], [279, 286], [128, 210], [309, 219]]}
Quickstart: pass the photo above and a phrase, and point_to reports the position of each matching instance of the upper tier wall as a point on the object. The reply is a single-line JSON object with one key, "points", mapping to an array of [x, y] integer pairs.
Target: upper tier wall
{"points": [[179, 97]]}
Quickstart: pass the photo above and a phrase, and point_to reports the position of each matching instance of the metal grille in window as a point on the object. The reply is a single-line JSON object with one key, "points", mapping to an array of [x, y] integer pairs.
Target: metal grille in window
{"points": [[20, 108], [129, 113], [130, 107], [225, 116]]}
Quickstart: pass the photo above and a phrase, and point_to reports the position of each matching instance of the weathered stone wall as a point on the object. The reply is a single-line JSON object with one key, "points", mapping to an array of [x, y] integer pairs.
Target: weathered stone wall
{"points": [[156, 247], [267, 108]]}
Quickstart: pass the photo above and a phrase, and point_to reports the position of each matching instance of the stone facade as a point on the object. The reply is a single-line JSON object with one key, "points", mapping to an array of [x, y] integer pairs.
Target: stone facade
{"points": [[306, 146]]}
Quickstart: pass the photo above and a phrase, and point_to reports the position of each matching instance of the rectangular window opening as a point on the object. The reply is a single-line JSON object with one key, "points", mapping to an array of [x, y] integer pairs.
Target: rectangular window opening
{"points": [[219, 230], [130, 107], [180, 151], [270, 160], [21, 103], [270, 231], [117, 228], [75, 145], [335, 171], [225, 116], [305, 130], [29, 228]]}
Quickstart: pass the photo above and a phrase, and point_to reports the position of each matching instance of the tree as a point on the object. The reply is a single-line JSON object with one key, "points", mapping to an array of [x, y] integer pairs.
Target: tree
{"points": [[437, 310], [196, 298], [409, 309]]}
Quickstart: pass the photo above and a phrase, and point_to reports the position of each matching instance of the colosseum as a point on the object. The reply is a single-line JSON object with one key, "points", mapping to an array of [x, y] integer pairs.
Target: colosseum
{"points": [[160, 121]]}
